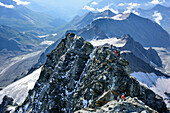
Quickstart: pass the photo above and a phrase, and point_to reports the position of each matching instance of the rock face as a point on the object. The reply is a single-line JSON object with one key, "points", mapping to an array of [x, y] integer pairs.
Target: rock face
{"points": [[6, 102], [138, 50], [138, 65], [76, 76], [59, 76], [163, 10]]}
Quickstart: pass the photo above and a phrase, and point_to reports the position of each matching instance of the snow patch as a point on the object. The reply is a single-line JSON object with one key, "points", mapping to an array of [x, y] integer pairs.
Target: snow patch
{"points": [[125, 51], [43, 36], [164, 54], [11, 109], [157, 17], [121, 16], [55, 34], [29, 19], [47, 42], [153, 64], [136, 13], [114, 41], [19, 89], [116, 17], [85, 102], [158, 84]]}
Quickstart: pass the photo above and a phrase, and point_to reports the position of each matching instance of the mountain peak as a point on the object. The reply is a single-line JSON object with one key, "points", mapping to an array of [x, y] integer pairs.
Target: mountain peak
{"points": [[107, 12], [76, 75], [126, 37], [159, 6]]}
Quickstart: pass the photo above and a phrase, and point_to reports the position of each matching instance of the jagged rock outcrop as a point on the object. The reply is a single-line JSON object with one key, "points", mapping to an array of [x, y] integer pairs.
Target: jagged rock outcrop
{"points": [[149, 56], [138, 65], [128, 105], [7, 101], [56, 85], [153, 57], [76, 76]]}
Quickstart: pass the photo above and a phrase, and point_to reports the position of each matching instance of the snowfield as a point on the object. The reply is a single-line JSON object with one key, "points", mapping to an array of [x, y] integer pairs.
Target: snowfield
{"points": [[158, 84], [114, 41], [19, 89], [164, 54]]}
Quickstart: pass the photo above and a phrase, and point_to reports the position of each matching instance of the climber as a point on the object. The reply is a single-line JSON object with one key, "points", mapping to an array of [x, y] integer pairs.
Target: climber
{"points": [[111, 46], [123, 96], [117, 52]]}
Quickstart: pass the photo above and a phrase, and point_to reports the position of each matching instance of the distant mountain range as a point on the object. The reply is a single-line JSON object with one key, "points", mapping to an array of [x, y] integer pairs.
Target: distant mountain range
{"points": [[143, 30], [24, 19], [159, 13], [122, 5], [157, 10]]}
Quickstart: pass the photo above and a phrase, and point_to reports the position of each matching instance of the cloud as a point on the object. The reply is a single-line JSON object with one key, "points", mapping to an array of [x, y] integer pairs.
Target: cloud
{"points": [[131, 7], [155, 2], [89, 8], [107, 8], [19, 2], [121, 4], [94, 3], [6, 6], [102, 9], [135, 12], [157, 17]]}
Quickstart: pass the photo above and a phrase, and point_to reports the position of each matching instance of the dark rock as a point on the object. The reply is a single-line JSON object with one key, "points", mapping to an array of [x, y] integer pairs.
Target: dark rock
{"points": [[149, 56], [5, 103], [153, 56]]}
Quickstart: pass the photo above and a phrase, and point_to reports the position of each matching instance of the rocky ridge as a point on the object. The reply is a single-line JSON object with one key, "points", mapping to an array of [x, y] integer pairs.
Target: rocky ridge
{"points": [[76, 76], [127, 106], [138, 50]]}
